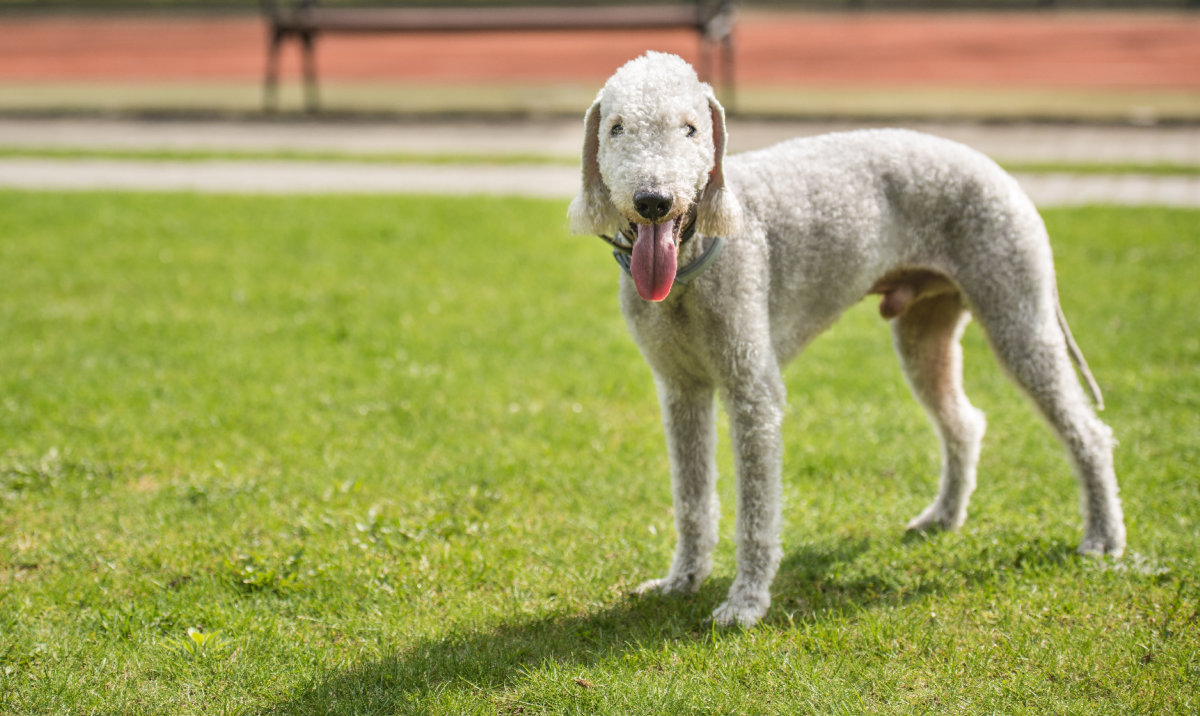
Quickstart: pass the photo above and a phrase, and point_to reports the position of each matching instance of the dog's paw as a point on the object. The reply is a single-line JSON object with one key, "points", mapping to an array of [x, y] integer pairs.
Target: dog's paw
{"points": [[671, 584], [743, 608], [741, 614], [936, 518], [1098, 544]]}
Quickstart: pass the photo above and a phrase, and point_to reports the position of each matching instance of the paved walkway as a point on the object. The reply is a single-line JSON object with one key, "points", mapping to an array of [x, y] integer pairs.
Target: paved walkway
{"points": [[562, 137], [550, 138]]}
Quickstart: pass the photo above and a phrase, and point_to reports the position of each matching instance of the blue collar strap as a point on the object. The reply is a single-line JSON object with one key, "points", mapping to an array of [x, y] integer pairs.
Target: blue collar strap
{"points": [[684, 276]]}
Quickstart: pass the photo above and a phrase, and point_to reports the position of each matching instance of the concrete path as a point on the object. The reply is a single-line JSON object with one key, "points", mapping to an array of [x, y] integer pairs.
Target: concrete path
{"points": [[562, 137], [545, 181], [550, 138]]}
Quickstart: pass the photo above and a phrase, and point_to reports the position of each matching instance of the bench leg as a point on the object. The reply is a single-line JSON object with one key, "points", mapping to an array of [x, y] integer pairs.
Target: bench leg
{"points": [[705, 63], [709, 48], [308, 41], [271, 82], [727, 81]]}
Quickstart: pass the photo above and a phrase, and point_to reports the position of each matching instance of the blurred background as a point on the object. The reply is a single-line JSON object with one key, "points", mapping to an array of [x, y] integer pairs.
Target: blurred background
{"points": [[1111, 61]]}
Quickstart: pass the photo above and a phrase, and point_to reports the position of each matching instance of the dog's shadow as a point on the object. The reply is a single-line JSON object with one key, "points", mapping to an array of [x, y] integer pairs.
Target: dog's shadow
{"points": [[488, 659]]}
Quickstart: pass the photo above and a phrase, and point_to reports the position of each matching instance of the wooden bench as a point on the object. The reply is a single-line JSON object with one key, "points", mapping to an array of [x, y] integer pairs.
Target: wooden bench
{"points": [[304, 20]]}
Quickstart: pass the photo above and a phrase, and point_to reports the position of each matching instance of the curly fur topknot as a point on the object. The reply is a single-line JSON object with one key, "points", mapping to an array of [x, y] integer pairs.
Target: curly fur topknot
{"points": [[636, 97]]}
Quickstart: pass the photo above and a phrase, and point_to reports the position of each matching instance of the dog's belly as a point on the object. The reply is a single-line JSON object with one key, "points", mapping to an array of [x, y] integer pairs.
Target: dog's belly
{"points": [[811, 289]]}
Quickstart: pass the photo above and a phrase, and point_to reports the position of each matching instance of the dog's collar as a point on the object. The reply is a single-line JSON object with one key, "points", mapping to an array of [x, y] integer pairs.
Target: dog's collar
{"points": [[623, 253]]}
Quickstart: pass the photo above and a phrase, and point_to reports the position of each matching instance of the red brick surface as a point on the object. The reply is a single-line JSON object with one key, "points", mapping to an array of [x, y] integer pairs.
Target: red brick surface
{"points": [[1097, 51]]}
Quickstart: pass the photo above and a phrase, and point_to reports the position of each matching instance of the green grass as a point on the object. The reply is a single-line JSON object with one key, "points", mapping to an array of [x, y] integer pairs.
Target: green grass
{"points": [[502, 159], [1161, 169], [367, 455], [1093, 168]]}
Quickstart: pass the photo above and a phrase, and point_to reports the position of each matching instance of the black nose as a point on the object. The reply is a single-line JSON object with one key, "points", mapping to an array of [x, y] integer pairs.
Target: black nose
{"points": [[651, 204]]}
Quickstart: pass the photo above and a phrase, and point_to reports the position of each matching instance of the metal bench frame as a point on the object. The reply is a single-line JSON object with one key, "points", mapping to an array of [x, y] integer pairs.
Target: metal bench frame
{"points": [[304, 20]]}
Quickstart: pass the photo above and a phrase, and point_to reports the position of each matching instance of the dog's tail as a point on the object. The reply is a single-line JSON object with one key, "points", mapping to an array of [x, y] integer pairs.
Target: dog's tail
{"points": [[1077, 357]]}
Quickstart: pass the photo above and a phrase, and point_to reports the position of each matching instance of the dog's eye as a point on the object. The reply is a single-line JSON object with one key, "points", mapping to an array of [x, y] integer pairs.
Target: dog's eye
{"points": [[616, 131], [690, 130]]}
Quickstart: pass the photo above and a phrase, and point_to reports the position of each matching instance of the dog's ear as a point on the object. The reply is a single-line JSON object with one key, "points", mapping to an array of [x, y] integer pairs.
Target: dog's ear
{"points": [[720, 212], [591, 212]]}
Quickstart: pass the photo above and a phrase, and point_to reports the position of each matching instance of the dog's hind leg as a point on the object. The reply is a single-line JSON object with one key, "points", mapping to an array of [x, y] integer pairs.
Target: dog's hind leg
{"points": [[689, 417], [1033, 347], [926, 338]]}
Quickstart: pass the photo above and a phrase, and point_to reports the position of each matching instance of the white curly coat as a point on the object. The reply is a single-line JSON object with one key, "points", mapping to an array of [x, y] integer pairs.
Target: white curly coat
{"points": [[811, 226]]}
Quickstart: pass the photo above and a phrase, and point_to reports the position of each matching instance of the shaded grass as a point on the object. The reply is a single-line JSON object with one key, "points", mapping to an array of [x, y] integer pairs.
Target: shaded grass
{"points": [[380, 455]]}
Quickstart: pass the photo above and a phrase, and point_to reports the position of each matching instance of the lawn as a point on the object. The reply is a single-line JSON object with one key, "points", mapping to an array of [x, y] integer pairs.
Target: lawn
{"points": [[364, 455], [1149, 168]]}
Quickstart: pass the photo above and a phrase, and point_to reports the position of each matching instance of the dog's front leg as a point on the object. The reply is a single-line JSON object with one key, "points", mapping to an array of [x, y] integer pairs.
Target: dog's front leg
{"points": [[755, 415], [690, 423]]}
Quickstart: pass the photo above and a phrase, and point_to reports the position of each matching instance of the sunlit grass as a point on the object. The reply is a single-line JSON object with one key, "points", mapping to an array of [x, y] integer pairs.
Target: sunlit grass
{"points": [[500, 159], [386, 455]]}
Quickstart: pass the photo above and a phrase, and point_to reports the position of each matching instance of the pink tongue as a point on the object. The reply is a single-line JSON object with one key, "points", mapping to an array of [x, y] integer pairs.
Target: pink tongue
{"points": [[654, 261]]}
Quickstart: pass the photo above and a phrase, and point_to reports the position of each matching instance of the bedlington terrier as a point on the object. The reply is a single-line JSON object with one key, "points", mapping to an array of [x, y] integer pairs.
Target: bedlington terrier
{"points": [[733, 264]]}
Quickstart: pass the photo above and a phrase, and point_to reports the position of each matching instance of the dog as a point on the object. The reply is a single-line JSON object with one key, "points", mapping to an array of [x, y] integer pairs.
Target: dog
{"points": [[733, 264]]}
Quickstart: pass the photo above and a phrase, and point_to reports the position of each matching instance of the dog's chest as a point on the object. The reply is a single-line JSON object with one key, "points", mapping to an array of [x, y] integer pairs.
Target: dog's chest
{"points": [[677, 335]]}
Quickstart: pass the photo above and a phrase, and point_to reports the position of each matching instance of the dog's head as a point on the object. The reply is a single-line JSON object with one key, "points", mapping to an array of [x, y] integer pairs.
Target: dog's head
{"points": [[653, 153]]}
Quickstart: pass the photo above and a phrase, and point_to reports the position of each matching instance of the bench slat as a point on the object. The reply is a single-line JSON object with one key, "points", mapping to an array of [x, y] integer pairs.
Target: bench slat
{"points": [[368, 20]]}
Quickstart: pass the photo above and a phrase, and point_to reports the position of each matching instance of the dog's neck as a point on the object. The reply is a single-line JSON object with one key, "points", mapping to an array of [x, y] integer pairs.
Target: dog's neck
{"points": [[623, 252], [622, 243]]}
